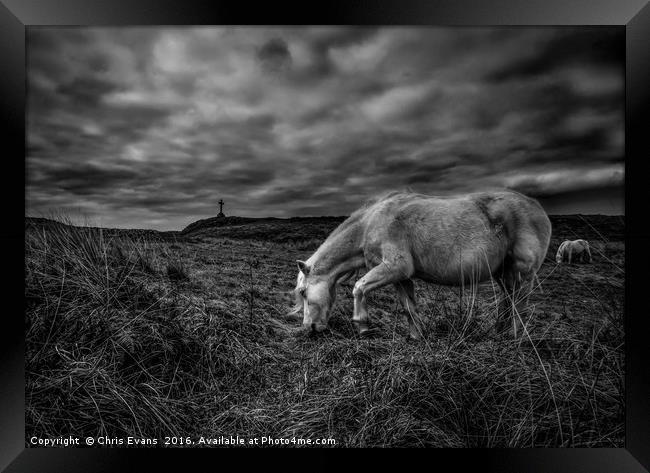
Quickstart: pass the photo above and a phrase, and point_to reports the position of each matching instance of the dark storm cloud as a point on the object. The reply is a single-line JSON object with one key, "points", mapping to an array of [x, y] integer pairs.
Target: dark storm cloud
{"points": [[569, 47], [274, 55], [322, 44], [85, 91], [86, 179], [151, 126]]}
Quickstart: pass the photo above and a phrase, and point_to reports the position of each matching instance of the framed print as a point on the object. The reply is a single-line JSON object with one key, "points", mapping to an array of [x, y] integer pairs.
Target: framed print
{"points": [[353, 226]]}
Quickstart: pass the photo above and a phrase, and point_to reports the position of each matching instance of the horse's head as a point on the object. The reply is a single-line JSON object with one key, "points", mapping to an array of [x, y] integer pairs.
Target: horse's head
{"points": [[315, 295]]}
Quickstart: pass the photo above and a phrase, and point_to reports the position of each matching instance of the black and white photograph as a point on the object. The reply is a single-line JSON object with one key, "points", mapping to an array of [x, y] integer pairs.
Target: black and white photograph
{"points": [[325, 236]]}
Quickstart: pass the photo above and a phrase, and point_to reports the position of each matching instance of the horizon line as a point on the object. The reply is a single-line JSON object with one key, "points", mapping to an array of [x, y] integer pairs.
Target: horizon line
{"points": [[271, 217]]}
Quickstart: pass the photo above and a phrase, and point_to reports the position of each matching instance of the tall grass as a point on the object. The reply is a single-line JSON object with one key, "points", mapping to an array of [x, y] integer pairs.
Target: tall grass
{"points": [[106, 350], [115, 346]]}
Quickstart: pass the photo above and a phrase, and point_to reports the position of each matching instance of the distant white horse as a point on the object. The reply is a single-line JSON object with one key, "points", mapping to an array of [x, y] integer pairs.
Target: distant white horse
{"points": [[447, 240], [573, 250]]}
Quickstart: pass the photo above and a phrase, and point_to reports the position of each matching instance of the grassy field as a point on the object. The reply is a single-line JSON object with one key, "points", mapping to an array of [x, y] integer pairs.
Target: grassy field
{"points": [[186, 333]]}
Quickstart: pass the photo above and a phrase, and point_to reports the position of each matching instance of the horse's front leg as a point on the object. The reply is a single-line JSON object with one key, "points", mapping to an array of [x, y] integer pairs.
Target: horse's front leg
{"points": [[360, 314], [386, 272]]}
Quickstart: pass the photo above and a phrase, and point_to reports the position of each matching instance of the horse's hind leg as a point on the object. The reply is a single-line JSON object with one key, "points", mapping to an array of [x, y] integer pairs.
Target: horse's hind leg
{"points": [[406, 293], [516, 280], [513, 306], [504, 309]]}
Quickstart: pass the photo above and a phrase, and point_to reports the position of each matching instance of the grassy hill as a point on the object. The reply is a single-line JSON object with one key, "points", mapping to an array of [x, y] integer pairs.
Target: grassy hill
{"points": [[145, 333]]}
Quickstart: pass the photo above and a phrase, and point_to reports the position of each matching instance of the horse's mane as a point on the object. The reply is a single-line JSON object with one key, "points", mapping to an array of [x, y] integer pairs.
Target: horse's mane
{"points": [[381, 197], [360, 211]]}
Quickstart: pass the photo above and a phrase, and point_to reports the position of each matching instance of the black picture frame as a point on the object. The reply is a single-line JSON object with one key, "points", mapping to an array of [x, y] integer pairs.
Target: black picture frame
{"points": [[633, 15]]}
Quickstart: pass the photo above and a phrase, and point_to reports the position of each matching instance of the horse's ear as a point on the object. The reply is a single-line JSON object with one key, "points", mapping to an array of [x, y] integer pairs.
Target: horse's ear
{"points": [[302, 266]]}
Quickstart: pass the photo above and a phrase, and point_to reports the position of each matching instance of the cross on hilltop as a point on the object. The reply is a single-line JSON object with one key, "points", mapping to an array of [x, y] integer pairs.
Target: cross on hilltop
{"points": [[221, 214]]}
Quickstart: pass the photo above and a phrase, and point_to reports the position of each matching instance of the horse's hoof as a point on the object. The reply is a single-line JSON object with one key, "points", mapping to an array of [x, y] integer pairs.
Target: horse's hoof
{"points": [[367, 332], [361, 328]]}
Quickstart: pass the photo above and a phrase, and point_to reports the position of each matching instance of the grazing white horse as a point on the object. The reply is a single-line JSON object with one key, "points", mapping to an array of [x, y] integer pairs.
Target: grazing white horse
{"points": [[570, 250], [448, 240]]}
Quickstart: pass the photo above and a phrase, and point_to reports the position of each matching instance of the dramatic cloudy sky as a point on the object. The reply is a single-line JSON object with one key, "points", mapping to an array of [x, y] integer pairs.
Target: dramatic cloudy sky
{"points": [[150, 127]]}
